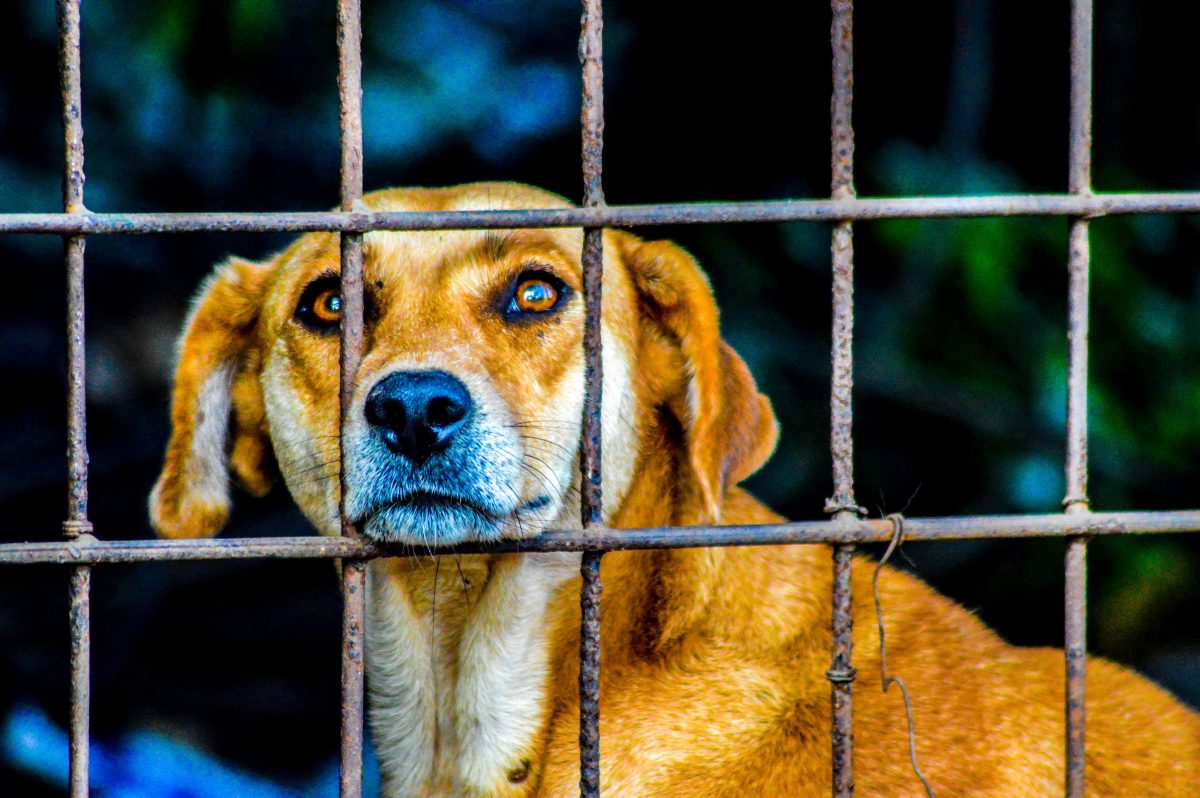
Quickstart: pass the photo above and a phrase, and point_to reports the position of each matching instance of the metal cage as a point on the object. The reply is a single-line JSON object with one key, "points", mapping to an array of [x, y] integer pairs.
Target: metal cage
{"points": [[846, 527]]}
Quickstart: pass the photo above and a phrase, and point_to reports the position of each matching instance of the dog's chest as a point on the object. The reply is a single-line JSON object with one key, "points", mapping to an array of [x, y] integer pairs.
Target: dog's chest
{"points": [[458, 674]]}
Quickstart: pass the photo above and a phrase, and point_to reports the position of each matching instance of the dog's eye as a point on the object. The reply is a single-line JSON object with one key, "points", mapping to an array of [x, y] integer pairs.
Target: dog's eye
{"points": [[536, 296], [320, 306], [535, 292], [327, 307]]}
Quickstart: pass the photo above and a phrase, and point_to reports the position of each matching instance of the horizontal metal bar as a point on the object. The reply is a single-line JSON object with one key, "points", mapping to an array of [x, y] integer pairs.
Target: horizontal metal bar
{"points": [[812, 210], [86, 551]]}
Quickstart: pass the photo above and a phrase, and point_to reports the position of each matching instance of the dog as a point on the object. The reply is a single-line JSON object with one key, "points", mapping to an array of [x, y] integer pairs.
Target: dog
{"points": [[465, 423]]}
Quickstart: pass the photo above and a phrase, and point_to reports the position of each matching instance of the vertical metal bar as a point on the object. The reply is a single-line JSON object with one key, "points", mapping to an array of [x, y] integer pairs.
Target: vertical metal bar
{"points": [[591, 498], [1076, 501], [1076, 661], [76, 524], [349, 41], [842, 504], [80, 616]]}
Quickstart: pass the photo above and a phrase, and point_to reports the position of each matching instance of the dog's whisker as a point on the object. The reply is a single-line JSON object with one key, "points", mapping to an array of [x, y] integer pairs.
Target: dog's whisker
{"points": [[466, 588], [549, 473], [288, 465], [302, 471], [533, 438], [315, 480]]}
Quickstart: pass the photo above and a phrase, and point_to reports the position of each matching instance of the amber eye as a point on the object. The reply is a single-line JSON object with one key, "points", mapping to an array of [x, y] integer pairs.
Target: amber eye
{"points": [[536, 296], [535, 292], [320, 307], [327, 306]]}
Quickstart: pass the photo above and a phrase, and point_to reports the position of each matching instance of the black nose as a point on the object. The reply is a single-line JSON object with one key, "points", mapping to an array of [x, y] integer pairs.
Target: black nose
{"points": [[418, 412]]}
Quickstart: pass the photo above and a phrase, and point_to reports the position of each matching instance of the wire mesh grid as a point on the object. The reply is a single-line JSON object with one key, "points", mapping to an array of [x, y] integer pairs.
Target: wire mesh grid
{"points": [[81, 550]]}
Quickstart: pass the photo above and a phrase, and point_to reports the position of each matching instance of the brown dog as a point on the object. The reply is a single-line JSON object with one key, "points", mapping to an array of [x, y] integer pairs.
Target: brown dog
{"points": [[466, 422]]}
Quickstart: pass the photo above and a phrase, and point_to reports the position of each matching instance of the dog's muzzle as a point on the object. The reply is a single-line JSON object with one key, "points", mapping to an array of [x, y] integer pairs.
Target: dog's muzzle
{"points": [[430, 467]]}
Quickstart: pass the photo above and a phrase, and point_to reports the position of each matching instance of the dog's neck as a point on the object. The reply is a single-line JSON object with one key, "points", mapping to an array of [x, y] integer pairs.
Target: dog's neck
{"points": [[458, 659], [460, 648]]}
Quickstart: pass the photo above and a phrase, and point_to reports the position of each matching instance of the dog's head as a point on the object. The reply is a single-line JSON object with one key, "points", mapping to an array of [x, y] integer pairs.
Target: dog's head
{"points": [[468, 405]]}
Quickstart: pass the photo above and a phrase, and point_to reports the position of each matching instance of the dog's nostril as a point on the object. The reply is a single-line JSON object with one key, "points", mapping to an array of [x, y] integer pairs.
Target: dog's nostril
{"points": [[386, 411], [444, 411]]}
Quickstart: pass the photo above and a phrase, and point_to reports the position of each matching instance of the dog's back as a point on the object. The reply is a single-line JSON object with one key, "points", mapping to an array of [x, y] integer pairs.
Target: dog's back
{"points": [[738, 704]]}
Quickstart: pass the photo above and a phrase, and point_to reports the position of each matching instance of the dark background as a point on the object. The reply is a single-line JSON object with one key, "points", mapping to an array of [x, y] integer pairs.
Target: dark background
{"points": [[960, 343]]}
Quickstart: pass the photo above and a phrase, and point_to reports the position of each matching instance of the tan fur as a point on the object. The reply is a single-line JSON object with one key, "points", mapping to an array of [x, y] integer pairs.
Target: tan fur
{"points": [[714, 659]]}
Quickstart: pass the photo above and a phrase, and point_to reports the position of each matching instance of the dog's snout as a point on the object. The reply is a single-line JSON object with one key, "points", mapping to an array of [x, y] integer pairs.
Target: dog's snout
{"points": [[417, 413]]}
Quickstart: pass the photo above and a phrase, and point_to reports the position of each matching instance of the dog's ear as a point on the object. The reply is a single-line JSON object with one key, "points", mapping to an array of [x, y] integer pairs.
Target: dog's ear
{"points": [[217, 416], [730, 428]]}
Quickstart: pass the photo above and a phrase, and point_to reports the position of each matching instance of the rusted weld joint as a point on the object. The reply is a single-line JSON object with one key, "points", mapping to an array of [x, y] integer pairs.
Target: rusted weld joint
{"points": [[1077, 503], [834, 506], [74, 529], [1088, 193], [842, 675]]}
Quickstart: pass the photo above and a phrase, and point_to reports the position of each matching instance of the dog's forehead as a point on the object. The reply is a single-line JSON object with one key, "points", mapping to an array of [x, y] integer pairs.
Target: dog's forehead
{"points": [[435, 255], [421, 255]]}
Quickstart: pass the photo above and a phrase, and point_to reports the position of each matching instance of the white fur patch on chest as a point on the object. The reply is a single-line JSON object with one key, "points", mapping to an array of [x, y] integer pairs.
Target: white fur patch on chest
{"points": [[458, 689]]}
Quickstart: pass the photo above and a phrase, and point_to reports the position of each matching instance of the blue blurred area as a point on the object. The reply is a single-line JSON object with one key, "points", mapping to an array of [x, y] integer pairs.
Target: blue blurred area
{"points": [[146, 764], [456, 70], [436, 73]]}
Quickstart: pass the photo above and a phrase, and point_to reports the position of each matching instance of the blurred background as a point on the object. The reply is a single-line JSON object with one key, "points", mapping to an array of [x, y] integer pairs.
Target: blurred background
{"points": [[222, 678]]}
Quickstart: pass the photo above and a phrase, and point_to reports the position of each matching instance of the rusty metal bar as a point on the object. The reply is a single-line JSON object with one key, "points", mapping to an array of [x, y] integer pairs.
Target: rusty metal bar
{"points": [[1075, 655], [77, 454], [1076, 501], [87, 551], [591, 57], [799, 210], [80, 619], [841, 442], [76, 523], [354, 574]]}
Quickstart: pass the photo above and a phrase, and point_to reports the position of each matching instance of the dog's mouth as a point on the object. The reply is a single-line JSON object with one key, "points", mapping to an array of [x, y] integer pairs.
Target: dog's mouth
{"points": [[434, 518], [430, 500]]}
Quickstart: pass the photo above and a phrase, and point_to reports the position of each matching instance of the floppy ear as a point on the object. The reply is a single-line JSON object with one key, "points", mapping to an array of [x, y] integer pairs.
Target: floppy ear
{"points": [[730, 428], [216, 381]]}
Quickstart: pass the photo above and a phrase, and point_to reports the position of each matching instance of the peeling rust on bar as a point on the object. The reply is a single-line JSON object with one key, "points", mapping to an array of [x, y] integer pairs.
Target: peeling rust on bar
{"points": [[591, 57], [72, 190], [842, 103], [76, 527], [71, 87], [1080, 153], [77, 452], [80, 614], [841, 421], [841, 441], [1075, 654], [841, 674], [589, 675], [590, 487], [1092, 206], [349, 44], [354, 588], [591, 54], [1076, 499], [1079, 182]]}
